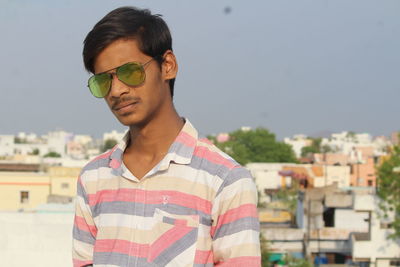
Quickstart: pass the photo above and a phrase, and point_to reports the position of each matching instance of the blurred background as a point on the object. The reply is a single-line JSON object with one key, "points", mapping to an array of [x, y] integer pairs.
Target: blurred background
{"points": [[321, 79]]}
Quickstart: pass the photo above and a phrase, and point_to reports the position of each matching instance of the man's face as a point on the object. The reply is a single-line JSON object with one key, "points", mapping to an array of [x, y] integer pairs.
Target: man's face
{"points": [[134, 105]]}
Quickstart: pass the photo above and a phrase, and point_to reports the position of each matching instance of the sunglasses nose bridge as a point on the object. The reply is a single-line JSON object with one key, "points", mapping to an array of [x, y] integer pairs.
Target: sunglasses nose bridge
{"points": [[117, 87]]}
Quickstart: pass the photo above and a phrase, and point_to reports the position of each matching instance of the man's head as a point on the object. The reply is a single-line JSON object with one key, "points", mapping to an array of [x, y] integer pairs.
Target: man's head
{"points": [[150, 32], [130, 53]]}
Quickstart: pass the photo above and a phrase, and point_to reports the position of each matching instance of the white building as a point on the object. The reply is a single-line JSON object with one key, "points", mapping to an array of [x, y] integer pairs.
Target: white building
{"points": [[6, 145], [346, 142], [298, 142], [375, 248], [113, 135], [57, 141]]}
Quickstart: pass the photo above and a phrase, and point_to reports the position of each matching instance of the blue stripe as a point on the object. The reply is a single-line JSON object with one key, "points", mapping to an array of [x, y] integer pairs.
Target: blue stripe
{"points": [[95, 164], [242, 224], [82, 193], [82, 236], [177, 248], [113, 258]]}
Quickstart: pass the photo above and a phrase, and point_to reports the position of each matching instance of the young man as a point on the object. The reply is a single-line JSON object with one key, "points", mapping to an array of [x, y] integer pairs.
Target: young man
{"points": [[161, 196]]}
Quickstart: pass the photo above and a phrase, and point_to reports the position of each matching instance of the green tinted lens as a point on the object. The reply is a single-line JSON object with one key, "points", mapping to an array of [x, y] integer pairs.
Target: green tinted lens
{"points": [[131, 73], [99, 84]]}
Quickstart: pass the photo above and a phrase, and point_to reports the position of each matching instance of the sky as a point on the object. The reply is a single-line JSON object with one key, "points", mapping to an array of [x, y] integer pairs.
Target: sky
{"points": [[307, 66]]}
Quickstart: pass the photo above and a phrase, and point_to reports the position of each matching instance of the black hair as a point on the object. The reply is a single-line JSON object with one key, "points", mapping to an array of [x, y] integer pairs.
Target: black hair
{"points": [[150, 31]]}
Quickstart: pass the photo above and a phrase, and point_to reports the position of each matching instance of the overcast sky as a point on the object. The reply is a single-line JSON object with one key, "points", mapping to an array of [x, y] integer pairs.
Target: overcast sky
{"points": [[289, 66]]}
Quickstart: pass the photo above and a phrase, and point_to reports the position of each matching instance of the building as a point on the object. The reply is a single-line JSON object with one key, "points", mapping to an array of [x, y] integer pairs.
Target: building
{"points": [[298, 142], [337, 226], [24, 187]]}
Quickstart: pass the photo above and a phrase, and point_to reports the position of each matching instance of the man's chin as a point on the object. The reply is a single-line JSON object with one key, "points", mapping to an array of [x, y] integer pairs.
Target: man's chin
{"points": [[129, 120]]}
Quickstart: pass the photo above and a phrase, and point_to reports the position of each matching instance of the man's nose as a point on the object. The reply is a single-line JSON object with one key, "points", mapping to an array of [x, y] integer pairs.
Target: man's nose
{"points": [[118, 88]]}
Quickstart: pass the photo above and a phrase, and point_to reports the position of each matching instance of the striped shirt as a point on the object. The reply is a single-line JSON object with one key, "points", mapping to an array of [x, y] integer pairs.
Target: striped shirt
{"points": [[196, 207]]}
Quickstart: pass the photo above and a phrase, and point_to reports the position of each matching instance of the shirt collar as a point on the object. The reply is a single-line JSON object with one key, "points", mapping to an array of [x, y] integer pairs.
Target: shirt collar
{"points": [[180, 152]]}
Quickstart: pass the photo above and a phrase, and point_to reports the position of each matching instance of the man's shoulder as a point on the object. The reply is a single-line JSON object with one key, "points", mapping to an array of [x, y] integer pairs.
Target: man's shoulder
{"points": [[101, 161], [225, 167]]}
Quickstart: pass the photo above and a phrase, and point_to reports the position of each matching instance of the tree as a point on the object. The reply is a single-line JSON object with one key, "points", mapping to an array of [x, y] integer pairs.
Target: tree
{"points": [[52, 154], [257, 145], [315, 147], [265, 253], [35, 151], [108, 144], [389, 188]]}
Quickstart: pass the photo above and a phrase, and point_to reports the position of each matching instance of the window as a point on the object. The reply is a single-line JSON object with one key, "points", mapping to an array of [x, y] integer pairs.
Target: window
{"points": [[370, 183], [24, 196], [329, 217], [65, 185], [386, 225], [395, 263]]}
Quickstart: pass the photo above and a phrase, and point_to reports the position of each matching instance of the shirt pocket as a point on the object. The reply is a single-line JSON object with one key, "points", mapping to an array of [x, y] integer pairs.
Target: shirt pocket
{"points": [[173, 239]]}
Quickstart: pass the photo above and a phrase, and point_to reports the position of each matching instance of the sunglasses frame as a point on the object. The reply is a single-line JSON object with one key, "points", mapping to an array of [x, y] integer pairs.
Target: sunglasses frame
{"points": [[111, 75]]}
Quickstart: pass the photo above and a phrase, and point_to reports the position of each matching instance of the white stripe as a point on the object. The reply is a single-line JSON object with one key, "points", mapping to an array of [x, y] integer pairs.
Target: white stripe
{"points": [[185, 258], [236, 188], [194, 175], [242, 237], [97, 174], [124, 220]]}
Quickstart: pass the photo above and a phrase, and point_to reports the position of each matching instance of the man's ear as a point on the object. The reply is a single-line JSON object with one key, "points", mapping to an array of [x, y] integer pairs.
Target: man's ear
{"points": [[169, 65]]}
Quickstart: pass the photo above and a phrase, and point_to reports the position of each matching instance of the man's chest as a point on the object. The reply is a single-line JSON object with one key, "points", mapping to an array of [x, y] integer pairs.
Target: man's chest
{"points": [[148, 217]]}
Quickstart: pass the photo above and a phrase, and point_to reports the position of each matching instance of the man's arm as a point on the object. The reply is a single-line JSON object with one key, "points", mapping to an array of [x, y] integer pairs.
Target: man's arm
{"points": [[235, 229], [85, 231]]}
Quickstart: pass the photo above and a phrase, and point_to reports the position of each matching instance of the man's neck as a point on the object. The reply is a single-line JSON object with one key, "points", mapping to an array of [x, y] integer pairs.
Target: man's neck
{"points": [[154, 139]]}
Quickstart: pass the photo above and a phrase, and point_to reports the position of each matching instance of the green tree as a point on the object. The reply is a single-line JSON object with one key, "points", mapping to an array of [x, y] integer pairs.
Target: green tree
{"points": [[35, 151], [265, 253], [315, 147], [389, 188], [52, 154], [108, 144], [293, 262], [257, 145], [18, 140]]}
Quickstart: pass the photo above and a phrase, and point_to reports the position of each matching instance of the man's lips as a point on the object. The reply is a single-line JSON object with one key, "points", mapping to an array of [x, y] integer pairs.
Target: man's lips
{"points": [[124, 105]]}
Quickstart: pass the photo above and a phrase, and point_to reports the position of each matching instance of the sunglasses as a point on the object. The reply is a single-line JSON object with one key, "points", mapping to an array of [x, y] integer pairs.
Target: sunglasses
{"points": [[131, 74]]}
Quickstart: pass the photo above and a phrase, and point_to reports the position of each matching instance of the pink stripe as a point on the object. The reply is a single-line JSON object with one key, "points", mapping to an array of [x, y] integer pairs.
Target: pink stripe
{"points": [[213, 157], [204, 257], [186, 139], [79, 263], [151, 197], [207, 141], [122, 246], [246, 210], [248, 261], [82, 225], [167, 239]]}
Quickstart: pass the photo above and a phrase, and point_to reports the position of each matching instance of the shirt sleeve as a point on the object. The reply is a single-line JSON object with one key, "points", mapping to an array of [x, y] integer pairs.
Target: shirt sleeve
{"points": [[84, 230], [235, 228]]}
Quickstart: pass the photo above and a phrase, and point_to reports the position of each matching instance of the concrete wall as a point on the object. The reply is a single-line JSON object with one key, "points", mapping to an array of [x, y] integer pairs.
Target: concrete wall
{"points": [[380, 245], [35, 239], [266, 176], [351, 220], [63, 186], [6, 145], [364, 173], [334, 174]]}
